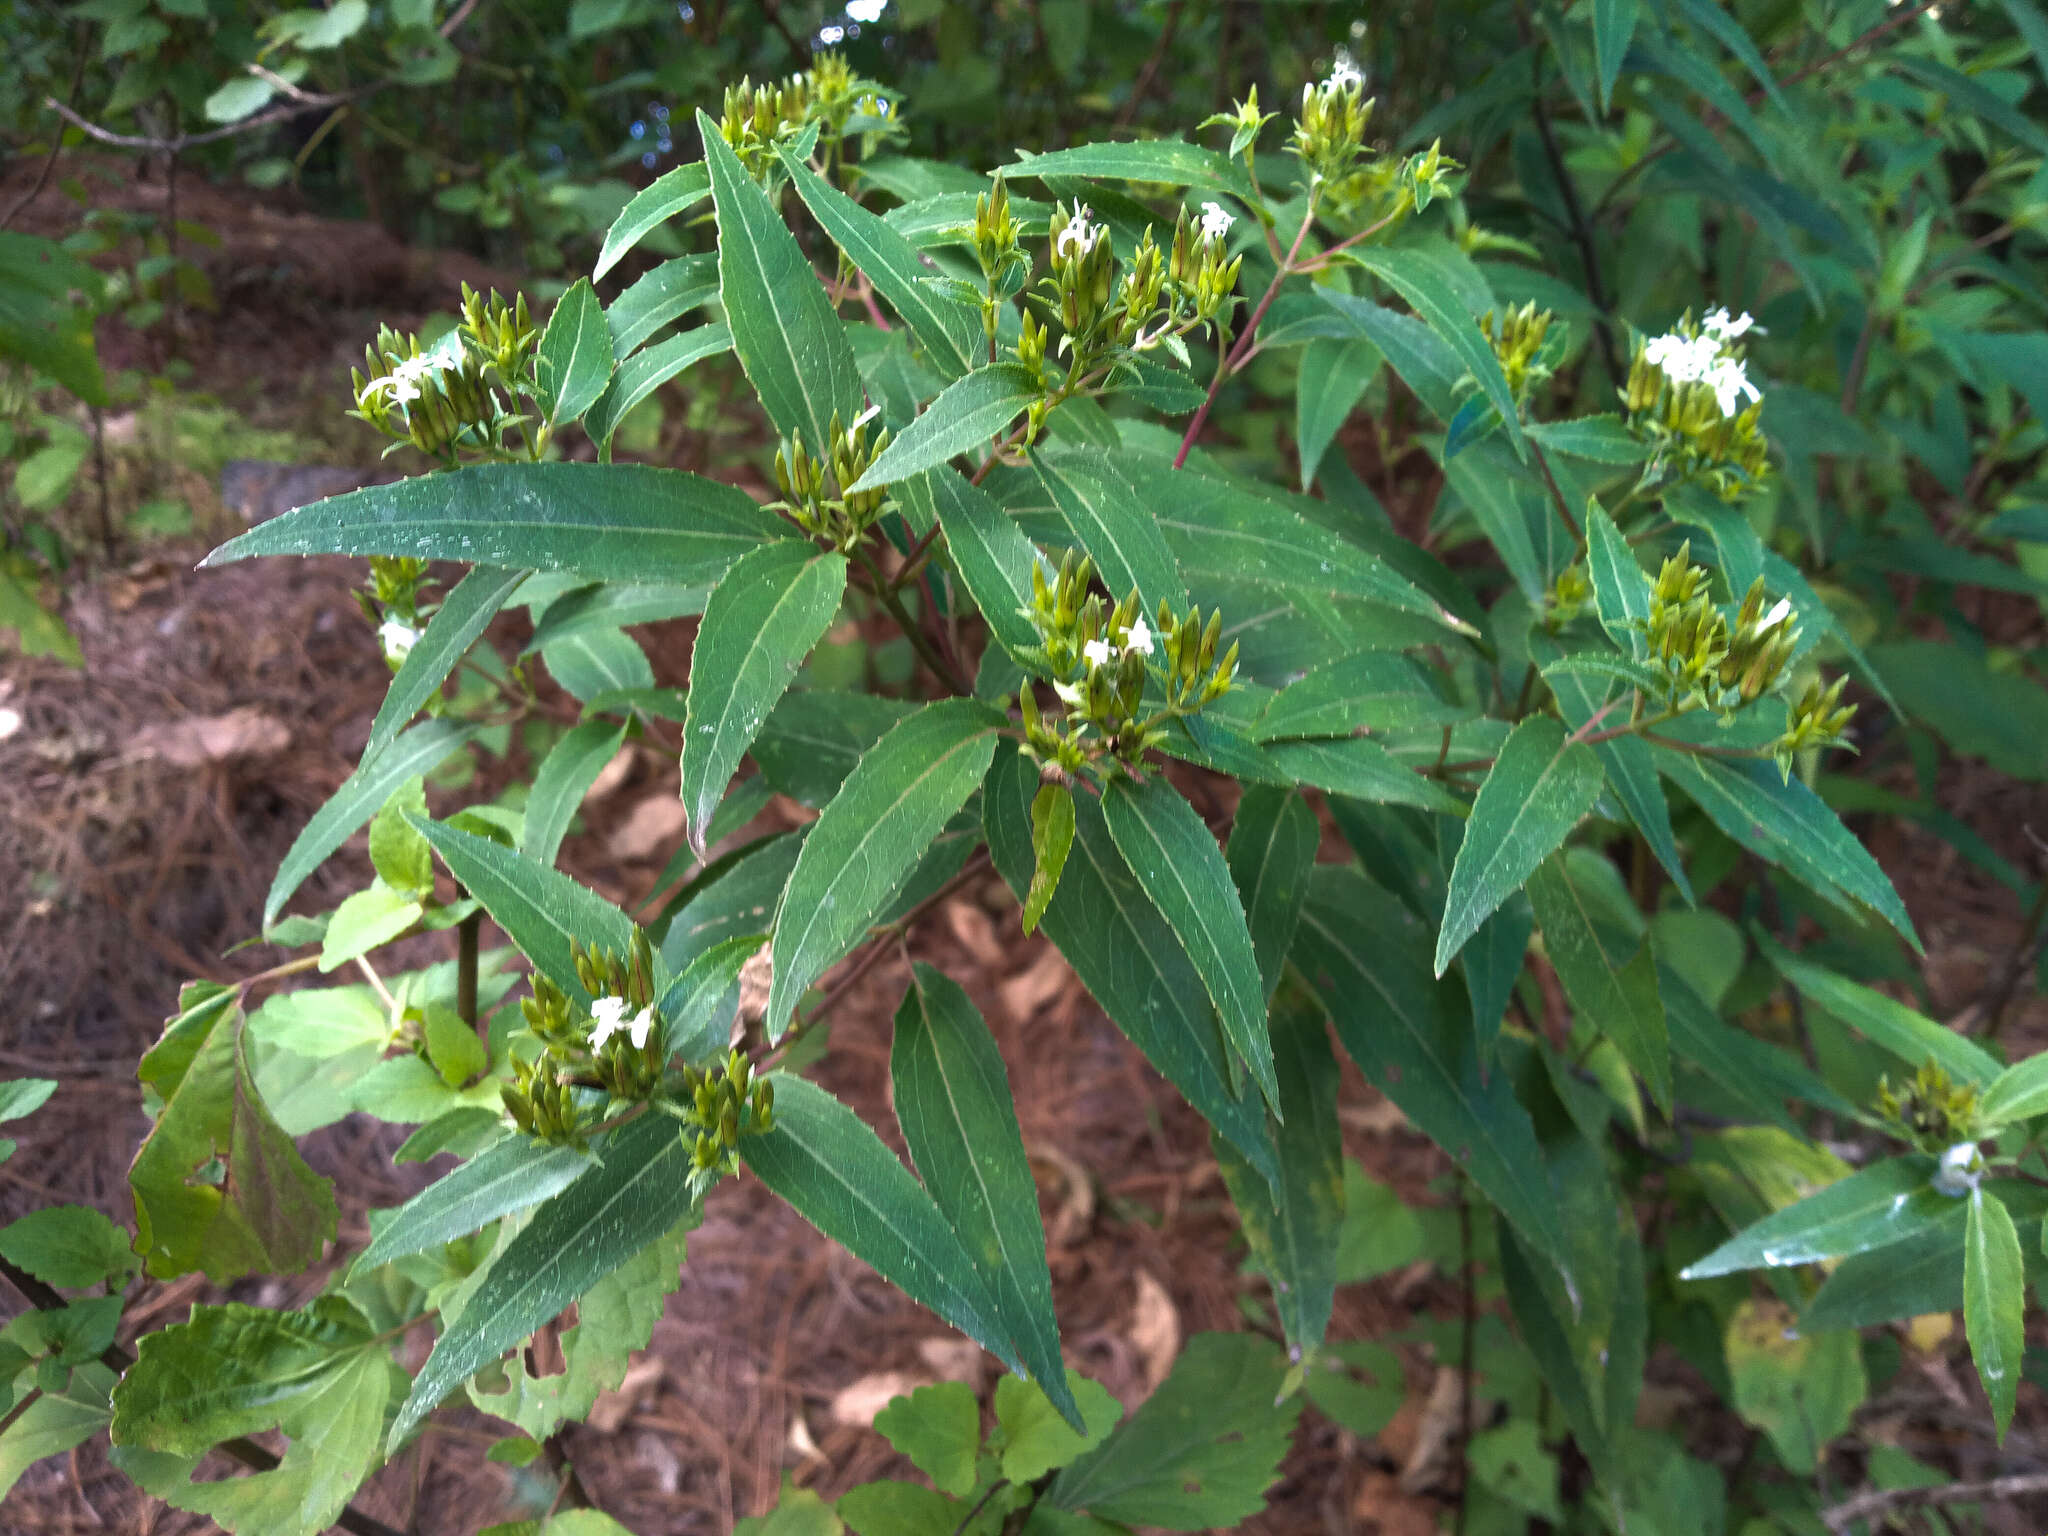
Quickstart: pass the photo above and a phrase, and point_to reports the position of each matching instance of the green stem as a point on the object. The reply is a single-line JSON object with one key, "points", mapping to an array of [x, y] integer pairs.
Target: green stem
{"points": [[919, 641]]}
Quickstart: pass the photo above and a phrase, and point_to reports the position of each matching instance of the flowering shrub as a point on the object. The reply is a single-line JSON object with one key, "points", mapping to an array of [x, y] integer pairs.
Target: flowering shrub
{"points": [[1002, 426]]}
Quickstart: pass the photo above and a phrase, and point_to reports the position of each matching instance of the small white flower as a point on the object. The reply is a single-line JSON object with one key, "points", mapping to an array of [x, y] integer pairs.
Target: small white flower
{"points": [[866, 12], [1729, 382], [413, 369], [398, 638], [1138, 638], [1098, 653], [641, 1027], [1216, 221], [1079, 237], [607, 1018], [1961, 1168], [1682, 359], [1344, 71], [1780, 612], [1717, 324], [1070, 693]]}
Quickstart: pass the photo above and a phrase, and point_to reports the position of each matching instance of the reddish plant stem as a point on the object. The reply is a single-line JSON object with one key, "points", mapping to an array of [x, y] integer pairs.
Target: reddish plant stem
{"points": [[1235, 359]]}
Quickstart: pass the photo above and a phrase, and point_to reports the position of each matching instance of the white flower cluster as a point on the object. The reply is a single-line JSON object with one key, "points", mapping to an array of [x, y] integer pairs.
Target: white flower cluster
{"points": [[608, 1018], [1216, 221], [1959, 1170], [403, 381], [1704, 359], [398, 638], [1080, 236], [866, 12], [1138, 638], [1344, 71]]}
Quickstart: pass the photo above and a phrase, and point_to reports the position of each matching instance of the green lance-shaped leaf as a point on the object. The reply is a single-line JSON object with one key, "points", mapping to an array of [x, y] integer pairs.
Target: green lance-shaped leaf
{"points": [[645, 372], [541, 910], [1758, 1075], [271, 1213], [563, 779], [789, 341], [362, 794], [509, 1175], [1126, 955], [1787, 824], [669, 290], [989, 551], [697, 1009], [1598, 439], [953, 1102], [1331, 381], [1873, 1207], [811, 741], [595, 662], [1272, 849], [870, 837], [1426, 277], [1163, 162], [1366, 956], [1535, 793], [761, 622], [604, 522], [574, 361], [2020, 1092], [1994, 1302], [1177, 861], [1612, 983], [1295, 1239], [466, 613], [1052, 835], [1621, 589], [639, 1190], [834, 1171], [949, 331], [1614, 24], [1111, 521], [968, 414], [1201, 1451], [1369, 690], [654, 205], [1888, 1023]]}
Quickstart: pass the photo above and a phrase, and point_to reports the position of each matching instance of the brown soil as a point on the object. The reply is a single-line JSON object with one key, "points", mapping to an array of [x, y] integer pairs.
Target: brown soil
{"points": [[130, 873]]}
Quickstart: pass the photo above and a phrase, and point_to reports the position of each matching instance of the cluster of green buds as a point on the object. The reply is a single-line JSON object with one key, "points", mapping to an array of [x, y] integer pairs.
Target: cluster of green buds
{"points": [[502, 333], [1517, 337], [753, 119], [1569, 596], [1684, 399], [1707, 660], [814, 490], [1245, 122], [1329, 130], [1820, 719], [438, 400], [1929, 1110], [1100, 658], [612, 1054], [1083, 280], [391, 601], [728, 1102], [1202, 272]]}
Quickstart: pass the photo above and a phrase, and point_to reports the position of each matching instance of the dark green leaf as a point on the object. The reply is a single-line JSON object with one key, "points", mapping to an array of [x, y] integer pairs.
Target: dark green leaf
{"points": [[1111, 522], [1909, 1035], [514, 1172], [1370, 691], [1602, 439], [1360, 768], [669, 195], [574, 362], [993, 557], [1621, 590], [594, 662], [1272, 847], [562, 780], [1332, 379], [1874, 1207], [1430, 278], [697, 1009], [952, 1099], [1611, 981], [761, 622], [811, 741], [1165, 162], [822, 1158], [871, 836], [645, 372], [671, 289], [969, 413], [464, 615], [737, 898]]}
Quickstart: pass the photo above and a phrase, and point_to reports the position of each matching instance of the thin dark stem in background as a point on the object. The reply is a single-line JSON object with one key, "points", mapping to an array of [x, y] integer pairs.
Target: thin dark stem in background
{"points": [[1468, 1328], [56, 144], [251, 1455], [1582, 237], [465, 967], [1993, 1491], [1150, 72]]}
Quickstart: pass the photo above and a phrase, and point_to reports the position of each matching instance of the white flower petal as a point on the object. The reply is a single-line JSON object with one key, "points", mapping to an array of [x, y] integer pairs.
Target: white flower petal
{"points": [[1098, 653], [1138, 638], [398, 638]]}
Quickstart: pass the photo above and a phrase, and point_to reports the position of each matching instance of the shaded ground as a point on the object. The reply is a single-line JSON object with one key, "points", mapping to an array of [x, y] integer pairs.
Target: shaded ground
{"points": [[139, 846]]}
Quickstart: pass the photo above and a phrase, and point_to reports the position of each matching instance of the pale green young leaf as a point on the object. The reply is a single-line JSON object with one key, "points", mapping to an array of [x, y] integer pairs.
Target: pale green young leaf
{"points": [[969, 413], [645, 372], [400, 855], [871, 836], [761, 622], [640, 1189], [1368, 690], [419, 750], [23, 1096], [1800, 1389], [1610, 977], [511, 1174], [1621, 589], [950, 332], [789, 341], [55, 1422], [1126, 955], [1330, 380], [1296, 1239], [462, 617], [604, 522], [560, 783], [1202, 1450], [1994, 1302], [1600, 439], [1164, 162], [365, 921], [1272, 848], [1052, 835], [574, 361], [1430, 279], [67, 1245], [1038, 1437], [834, 1171], [2020, 1092], [542, 911], [671, 289], [800, 1513], [1535, 793], [1103, 509], [1177, 861], [953, 1102], [991, 554], [654, 205], [939, 1428], [1906, 1033], [1874, 1207], [1367, 958]]}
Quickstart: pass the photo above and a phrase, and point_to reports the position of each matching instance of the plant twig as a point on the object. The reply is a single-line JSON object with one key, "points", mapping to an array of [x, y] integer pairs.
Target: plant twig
{"points": [[1468, 1329], [56, 144], [1883, 1501], [1150, 71], [1582, 237]]}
